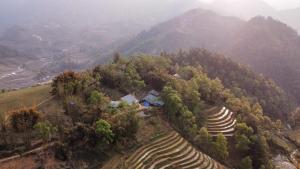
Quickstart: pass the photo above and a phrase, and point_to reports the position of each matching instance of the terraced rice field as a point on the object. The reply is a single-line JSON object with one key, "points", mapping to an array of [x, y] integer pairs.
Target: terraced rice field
{"points": [[221, 122], [170, 152]]}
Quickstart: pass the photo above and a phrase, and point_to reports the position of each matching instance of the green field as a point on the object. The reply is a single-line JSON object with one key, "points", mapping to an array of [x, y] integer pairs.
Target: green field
{"points": [[26, 97]]}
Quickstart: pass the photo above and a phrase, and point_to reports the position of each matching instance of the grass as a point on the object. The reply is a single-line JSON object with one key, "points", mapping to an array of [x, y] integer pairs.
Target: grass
{"points": [[26, 97]]}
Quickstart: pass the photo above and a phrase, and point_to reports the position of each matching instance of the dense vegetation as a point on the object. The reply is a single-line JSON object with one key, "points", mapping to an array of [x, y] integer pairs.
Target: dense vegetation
{"points": [[90, 123], [240, 80]]}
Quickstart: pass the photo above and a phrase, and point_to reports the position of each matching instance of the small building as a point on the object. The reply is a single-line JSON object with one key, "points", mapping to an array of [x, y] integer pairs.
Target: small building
{"points": [[130, 99], [115, 104], [152, 99]]}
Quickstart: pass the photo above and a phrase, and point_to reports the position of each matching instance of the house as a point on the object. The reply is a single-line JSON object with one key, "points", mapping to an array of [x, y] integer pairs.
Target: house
{"points": [[130, 99], [115, 104], [152, 99]]}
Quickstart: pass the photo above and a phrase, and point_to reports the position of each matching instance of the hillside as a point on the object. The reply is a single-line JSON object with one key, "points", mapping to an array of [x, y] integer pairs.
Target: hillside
{"points": [[241, 80], [266, 45], [271, 48], [247, 9], [196, 28], [155, 110], [33, 96]]}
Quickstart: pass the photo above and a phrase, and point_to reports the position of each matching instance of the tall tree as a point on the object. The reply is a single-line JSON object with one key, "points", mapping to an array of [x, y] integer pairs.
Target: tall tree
{"points": [[221, 147], [23, 121]]}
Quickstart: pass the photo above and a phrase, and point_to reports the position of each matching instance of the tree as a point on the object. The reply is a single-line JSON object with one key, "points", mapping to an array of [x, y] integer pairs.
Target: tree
{"points": [[95, 97], [204, 139], [98, 100], [242, 142], [257, 109], [125, 124], [46, 130], [260, 152], [97, 104], [187, 122], [23, 121], [246, 163], [220, 146], [116, 57], [66, 84], [172, 101], [3, 129], [243, 128], [234, 104], [242, 137], [104, 129]]}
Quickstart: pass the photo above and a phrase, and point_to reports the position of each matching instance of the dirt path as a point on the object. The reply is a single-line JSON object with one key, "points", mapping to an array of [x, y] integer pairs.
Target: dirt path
{"points": [[36, 150], [114, 162], [44, 101]]}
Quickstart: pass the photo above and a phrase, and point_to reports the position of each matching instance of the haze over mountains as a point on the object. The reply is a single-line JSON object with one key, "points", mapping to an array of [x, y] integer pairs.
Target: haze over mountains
{"points": [[246, 9], [68, 34], [267, 45], [36, 42]]}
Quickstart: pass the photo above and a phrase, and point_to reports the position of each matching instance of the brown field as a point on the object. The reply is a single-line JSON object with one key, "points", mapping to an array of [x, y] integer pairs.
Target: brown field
{"points": [[29, 97], [23, 98]]}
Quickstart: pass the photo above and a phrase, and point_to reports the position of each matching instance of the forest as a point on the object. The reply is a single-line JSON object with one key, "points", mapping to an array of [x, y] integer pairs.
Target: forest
{"points": [[90, 123]]}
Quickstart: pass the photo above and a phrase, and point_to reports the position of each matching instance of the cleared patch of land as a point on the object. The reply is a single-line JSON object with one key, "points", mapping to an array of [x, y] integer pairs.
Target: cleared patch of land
{"points": [[24, 98]]}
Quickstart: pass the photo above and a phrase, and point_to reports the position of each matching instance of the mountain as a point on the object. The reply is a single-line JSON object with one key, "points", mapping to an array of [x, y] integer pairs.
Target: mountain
{"points": [[271, 48], [196, 28], [266, 45]]}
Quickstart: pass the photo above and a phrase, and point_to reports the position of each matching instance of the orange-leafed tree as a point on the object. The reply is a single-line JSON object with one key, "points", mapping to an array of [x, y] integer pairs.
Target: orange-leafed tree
{"points": [[23, 121]]}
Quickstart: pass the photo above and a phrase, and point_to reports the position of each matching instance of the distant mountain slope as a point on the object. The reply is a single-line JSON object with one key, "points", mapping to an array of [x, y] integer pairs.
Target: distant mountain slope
{"points": [[196, 28], [271, 48], [246, 9], [268, 46]]}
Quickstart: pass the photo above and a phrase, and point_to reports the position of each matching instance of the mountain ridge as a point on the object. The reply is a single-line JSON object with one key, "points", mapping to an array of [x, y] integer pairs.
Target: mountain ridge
{"points": [[265, 44]]}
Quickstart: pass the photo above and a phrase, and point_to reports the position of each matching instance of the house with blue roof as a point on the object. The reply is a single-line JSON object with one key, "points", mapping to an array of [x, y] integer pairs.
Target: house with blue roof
{"points": [[152, 99]]}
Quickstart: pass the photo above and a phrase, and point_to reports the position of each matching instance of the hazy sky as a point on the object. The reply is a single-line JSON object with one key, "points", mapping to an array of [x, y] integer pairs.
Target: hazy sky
{"points": [[278, 4]]}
